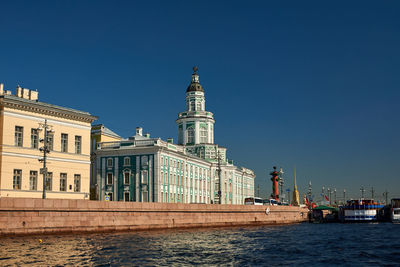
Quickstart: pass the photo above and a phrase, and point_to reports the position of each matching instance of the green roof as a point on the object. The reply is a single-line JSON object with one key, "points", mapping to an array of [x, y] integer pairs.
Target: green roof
{"points": [[323, 207]]}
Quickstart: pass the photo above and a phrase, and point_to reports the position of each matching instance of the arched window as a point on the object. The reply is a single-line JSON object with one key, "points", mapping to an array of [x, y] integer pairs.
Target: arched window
{"points": [[190, 135], [198, 106], [203, 135], [192, 105]]}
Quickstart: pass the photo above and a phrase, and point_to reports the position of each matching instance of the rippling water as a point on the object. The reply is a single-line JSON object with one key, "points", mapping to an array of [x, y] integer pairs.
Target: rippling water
{"points": [[300, 244]]}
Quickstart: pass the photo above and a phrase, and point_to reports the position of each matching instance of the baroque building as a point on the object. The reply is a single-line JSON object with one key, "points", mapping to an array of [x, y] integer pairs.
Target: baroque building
{"points": [[22, 120], [195, 170]]}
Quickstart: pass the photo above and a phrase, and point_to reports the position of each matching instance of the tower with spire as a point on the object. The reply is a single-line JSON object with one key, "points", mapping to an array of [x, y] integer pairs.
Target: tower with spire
{"points": [[296, 198], [196, 125]]}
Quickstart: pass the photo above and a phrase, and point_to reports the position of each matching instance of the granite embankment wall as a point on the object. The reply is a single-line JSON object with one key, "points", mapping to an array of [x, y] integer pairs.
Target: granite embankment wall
{"points": [[37, 216]]}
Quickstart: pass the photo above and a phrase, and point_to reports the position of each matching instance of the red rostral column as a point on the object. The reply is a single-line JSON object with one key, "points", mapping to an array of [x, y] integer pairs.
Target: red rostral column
{"points": [[275, 187]]}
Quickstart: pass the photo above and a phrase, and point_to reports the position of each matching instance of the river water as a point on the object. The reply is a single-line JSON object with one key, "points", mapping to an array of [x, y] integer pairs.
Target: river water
{"points": [[294, 245]]}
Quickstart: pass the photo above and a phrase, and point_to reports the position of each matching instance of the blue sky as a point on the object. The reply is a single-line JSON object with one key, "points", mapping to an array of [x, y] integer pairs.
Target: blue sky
{"points": [[308, 83]]}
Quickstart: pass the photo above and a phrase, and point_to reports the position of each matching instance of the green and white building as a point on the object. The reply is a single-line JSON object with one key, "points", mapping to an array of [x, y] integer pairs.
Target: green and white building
{"points": [[195, 170]]}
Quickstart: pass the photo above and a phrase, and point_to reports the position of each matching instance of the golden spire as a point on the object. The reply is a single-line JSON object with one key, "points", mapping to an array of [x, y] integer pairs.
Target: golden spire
{"points": [[296, 199]]}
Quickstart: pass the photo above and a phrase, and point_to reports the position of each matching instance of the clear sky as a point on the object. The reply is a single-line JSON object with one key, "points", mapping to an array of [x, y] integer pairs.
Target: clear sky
{"points": [[308, 83]]}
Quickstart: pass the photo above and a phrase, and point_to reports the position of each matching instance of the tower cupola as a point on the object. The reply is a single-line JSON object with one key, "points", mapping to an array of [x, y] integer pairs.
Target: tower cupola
{"points": [[195, 84]]}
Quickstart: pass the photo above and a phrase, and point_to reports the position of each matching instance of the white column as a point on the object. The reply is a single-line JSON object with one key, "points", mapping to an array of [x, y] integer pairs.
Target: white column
{"points": [[100, 179], [115, 179], [137, 177], [184, 141], [209, 133], [197, 132]]}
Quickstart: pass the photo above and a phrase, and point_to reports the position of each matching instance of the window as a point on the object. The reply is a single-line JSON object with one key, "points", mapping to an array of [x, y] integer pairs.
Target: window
{"points": [[126, 196], [17, 179], [144, 177], [127, 161], [19, 135], [192, 105], [145, 162], [50, 141], [109, 162], [203, 135], [198, 105], [33, 176], [190, 133], [77, 183], [49, 181], [34, 138], [78, 144], [63, 182], [64, 142], [127, 177], [109, 178]]}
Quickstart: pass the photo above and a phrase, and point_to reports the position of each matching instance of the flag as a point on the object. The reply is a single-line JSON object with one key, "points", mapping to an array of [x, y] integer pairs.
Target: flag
{"points": [[327, 199]]}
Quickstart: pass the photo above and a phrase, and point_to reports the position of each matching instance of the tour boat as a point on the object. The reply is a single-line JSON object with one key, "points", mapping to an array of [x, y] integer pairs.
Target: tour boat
{"points": [[363, 210]]}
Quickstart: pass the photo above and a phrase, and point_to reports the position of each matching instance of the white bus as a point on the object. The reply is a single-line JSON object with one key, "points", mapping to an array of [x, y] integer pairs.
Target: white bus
{"points": [[395, 211], [253, 201]]}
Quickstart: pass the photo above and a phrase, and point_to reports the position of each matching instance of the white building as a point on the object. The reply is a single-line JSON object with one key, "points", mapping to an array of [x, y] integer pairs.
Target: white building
{"points": [[195, 170]]}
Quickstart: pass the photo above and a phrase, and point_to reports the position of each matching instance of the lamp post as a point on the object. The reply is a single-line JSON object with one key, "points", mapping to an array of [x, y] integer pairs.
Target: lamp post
{"points": [[46, 150], [334, 193], [329, 194], [281, 182], [288, 192], [362, 192], [344, 196]]}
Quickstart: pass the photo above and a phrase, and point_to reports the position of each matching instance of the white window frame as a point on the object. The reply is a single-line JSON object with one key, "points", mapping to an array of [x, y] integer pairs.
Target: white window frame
{"points": [[33, 178], [65, 184], [144, 177], [77, 182], [190, 135], [19, 136], [17, 179], [64, 143]]}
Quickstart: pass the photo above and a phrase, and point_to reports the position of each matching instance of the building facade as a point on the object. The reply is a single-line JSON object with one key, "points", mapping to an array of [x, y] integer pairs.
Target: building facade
{"points": [[195, 170], [99, 133], [22, 120]]}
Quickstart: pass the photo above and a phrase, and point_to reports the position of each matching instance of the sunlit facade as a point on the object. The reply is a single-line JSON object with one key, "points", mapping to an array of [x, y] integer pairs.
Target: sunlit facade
{"points": [[195, 170]]}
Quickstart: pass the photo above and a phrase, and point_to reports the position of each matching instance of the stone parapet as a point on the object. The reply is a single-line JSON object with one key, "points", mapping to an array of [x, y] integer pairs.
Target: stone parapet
{"points": [[41, 216]]}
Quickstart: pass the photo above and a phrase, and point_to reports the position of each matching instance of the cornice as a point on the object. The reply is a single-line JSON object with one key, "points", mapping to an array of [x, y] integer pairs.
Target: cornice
{"points": [[45, 109]]}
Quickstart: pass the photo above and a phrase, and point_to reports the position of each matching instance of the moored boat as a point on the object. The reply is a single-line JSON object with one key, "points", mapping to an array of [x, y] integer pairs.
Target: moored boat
{"points": [[363, 210]]}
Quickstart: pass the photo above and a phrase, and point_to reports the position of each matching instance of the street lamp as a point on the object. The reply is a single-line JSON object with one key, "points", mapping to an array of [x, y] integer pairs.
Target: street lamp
{"points": [[334, 192], [46, 150]]}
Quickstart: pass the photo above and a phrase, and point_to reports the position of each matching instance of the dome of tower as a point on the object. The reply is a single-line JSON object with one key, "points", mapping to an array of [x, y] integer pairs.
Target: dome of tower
{"points": [[195, 87], [195, 84]]}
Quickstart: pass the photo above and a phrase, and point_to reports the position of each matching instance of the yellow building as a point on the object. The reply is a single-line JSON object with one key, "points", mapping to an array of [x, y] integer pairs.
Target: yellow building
{"points": [[22, 118]]}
